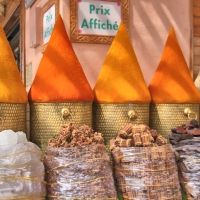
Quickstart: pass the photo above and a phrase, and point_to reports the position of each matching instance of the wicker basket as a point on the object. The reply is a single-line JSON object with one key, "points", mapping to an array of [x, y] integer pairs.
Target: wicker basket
{"points": [[13, 116], [46, 119], [109, 118], [163, 117]]}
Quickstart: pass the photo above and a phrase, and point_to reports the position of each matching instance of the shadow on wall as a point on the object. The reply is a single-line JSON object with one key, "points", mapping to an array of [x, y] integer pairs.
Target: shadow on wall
{"points": [[150, 22]]}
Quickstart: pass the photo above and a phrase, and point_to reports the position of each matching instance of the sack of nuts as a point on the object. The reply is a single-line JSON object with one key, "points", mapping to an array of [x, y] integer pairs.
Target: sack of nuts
{"points": [[186, 143], [78, 166], [144, 164]]}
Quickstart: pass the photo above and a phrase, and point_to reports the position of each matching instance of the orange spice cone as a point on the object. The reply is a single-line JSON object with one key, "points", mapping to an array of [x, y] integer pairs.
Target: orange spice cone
{"points": [[121, 94], [60, 77], [60, 92], [11, 85], [172, 90], [197, 82], [13, 96], [121, 79]]}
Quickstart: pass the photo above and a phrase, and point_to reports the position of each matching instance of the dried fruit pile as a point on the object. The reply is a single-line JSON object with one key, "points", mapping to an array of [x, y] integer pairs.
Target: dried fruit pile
{"points": [[137, 136], [185, 131], [69, 136]]}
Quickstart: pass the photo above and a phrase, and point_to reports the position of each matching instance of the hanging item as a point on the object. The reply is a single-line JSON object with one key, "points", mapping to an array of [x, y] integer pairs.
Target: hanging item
{"points": [[29, 3], [121, 95], [2, 8], [175, 98], [60, 92]]}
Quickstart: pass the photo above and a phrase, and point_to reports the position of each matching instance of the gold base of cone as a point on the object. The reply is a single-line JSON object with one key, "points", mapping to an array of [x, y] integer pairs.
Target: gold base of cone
{"points": [[164, 117], [46, 119], [13, 116], [109, 118]]}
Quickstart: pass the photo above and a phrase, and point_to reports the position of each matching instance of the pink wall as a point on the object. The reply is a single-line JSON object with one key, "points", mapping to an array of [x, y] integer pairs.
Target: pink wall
{"points": [[150, 22]]}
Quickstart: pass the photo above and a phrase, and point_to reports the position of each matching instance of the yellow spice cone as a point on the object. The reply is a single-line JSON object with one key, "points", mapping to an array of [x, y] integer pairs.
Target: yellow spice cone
{"points": [[12, 89], [172, 82], [121, 79]]}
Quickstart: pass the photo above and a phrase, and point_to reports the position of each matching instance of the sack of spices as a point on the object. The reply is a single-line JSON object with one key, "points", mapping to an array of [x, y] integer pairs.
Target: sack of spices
{"points": [[186, 144], [78, 166], [144, 168], [21, 171]]}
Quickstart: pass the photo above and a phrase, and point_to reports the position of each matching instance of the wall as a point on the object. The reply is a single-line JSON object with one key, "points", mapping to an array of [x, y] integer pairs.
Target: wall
{"points": [[150, 22], [196, 36]]}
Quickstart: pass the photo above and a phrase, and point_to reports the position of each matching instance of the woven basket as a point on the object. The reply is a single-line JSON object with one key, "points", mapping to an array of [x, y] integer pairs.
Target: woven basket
{"points": [[109, 118], [164, 117], [13, 116], [46, 119]]}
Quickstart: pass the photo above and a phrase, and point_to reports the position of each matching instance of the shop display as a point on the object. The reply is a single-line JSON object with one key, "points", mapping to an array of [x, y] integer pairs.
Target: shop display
{"points": [[78, 166], [186, 143], [137, 136], [147, 168], [69, 136], [21, 171], [60, 92], [13, 97], [172, 90], [121, 94], [185, 131]]}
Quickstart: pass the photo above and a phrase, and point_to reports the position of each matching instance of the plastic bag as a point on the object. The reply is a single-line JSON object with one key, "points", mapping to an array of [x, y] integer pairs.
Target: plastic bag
{"points": [[21, 172], [82, 172], [188, 156], [145, 173]]}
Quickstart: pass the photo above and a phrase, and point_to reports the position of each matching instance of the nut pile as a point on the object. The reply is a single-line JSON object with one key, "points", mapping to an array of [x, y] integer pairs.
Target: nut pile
{"points": [[185, 131], [69, 136], [137, 136]]}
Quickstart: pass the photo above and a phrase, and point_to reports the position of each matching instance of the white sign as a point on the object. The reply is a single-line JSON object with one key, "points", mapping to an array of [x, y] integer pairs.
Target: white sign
{"points": [[98, 17], [49, 19]]}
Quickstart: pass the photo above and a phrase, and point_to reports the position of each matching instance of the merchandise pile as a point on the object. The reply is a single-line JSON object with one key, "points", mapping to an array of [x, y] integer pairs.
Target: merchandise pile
{"points": [[137, 136], [78, 166], [69, 136], [185, 131], [186, 143], [144, 164], [21, 170]]}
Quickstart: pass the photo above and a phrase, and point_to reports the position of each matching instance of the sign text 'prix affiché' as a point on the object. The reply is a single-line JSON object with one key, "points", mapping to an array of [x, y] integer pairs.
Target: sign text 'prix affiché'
{"points": [[98, 17], [48, 23]]}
